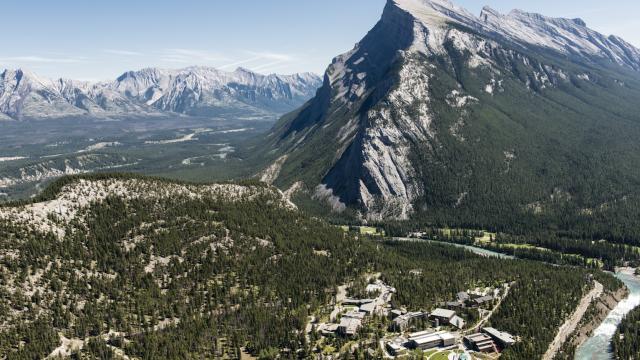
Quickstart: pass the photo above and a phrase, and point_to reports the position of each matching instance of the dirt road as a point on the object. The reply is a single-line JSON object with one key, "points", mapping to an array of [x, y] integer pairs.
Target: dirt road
{"points": [[570, 325]]}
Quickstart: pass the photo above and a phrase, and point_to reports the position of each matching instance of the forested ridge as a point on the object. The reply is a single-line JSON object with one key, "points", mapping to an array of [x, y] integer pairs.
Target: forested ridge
{"points": [[194, 274], [626, 341]]}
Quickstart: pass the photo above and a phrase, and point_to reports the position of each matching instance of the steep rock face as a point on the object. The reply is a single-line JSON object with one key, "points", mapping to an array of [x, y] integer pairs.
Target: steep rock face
{"points": [[190, 91], [428, 84]]}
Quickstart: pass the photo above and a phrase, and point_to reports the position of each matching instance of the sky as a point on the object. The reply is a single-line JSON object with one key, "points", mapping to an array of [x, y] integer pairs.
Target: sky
{"points": [[99, 40]]}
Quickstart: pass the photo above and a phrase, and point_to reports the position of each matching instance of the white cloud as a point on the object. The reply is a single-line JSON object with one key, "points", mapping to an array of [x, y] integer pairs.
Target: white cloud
{"points": [[190, 56], [122, 52], [240, 62], [40, 60], [267, 66], [273, 56]]}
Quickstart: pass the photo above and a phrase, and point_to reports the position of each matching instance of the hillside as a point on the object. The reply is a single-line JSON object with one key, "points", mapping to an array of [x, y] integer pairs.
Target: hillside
{"points": [[131, 267], [443, 116]]}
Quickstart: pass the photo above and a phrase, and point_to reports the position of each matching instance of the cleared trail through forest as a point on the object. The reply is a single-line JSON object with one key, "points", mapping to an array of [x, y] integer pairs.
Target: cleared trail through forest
{"points": [[572, 323]]}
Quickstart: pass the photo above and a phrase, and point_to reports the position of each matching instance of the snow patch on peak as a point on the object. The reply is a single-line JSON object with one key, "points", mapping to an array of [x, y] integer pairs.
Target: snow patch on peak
{"points": [[435, 12]]}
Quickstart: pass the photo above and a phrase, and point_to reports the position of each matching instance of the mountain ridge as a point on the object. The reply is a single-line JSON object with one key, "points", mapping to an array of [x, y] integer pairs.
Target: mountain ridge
{"points": [[194, 90], [386, 132]]}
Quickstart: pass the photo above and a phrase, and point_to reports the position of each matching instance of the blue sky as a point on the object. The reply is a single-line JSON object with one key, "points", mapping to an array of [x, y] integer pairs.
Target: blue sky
{"points": [[101, 39]]}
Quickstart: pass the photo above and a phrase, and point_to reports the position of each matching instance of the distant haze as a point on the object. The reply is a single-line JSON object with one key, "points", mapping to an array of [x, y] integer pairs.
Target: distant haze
{"points": [[100, 40]]}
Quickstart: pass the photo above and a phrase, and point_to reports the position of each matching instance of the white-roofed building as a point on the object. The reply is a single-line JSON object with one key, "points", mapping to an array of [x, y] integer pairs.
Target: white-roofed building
{"points": [[442, 316]]}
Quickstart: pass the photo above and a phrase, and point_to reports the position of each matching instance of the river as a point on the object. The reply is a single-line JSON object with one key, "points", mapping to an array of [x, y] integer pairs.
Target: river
{"points": [[597, 346]]}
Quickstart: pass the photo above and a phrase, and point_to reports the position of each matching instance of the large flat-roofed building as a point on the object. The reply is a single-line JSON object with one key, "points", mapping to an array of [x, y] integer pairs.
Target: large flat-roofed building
{"points": [[349, 326], [356, 302], [368, 308], [501, 338], [429, 340], [442, 316], [480, 342], [402, 322]]}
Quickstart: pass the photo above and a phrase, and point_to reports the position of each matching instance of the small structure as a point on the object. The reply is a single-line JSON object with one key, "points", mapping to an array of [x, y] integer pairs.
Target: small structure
{"points": [[480, 342], [442, 316], [501, 338], [429, 340]]}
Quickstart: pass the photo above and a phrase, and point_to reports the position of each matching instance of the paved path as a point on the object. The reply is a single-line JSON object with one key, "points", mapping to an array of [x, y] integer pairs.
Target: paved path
{"points": [[570, 325]]}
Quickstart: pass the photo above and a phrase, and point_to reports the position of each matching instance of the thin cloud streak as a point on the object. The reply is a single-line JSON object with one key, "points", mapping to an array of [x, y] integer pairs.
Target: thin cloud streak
{"points": [[122, 52], [191, 56], [241, 62], [41, 60]]}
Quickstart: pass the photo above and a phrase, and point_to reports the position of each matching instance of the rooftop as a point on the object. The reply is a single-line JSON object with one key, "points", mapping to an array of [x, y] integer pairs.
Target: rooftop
{"points": [[499, 335], [443, 313]]}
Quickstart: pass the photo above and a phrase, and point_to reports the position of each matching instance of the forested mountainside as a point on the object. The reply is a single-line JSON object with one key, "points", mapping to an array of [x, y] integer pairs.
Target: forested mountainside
{"points": [[626, 341], [119, 266], [196, 91], [517, 120]]}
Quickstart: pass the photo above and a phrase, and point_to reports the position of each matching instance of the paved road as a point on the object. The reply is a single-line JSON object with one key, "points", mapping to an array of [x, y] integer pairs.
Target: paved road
{"points": [[570, 325]]}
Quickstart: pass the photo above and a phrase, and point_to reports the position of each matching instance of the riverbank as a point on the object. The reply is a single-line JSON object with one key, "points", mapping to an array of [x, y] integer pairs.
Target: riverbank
{"points": [[595, 315], [597, 345]]}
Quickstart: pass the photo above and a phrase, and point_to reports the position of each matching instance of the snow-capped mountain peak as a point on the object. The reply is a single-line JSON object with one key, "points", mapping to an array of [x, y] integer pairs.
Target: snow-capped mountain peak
{"points": [[430, 78], [570, 37], [196, 90]]}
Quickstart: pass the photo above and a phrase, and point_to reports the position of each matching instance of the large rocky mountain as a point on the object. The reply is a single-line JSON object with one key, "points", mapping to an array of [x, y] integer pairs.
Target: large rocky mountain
{"points": [[198, 91], [440, 111]]}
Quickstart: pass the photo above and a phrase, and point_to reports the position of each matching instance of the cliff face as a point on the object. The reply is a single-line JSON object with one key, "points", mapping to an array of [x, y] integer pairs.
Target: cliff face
{"points": [[435, 106]]}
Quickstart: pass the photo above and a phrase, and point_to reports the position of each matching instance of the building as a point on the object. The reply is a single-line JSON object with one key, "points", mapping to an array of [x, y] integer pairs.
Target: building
{"points": [[428, 340], [442, 316], [349, 326], [480, 342], [368, 308], [463, 296], [396, 313], [457, 321], [356, 302], [483, 300], [402, 322], [501, 338], [355, 315], [396, 347], [373, 288], [329, 330]]}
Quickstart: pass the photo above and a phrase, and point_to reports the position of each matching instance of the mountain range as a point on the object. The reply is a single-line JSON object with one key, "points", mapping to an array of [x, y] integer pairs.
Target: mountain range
{"points": [[441, 112], [195, 91]]}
